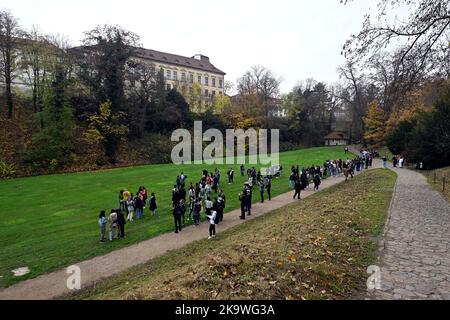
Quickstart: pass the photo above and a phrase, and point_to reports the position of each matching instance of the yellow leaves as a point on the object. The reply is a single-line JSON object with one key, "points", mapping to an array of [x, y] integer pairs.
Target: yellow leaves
{"points": [[293, 258], [375, 123]]}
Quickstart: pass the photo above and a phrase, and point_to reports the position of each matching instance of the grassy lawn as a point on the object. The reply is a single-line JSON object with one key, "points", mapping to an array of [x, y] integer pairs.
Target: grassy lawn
{"points": [[435, 179], [318, 248], [49, 222]]}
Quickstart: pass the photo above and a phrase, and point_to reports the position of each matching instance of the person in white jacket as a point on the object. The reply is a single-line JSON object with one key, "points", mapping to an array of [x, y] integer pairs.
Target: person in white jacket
{"points": [[212, 224]]}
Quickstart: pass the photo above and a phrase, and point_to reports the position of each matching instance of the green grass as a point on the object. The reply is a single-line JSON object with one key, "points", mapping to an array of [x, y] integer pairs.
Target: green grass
{"points": [[318, 248], [49, 222]]}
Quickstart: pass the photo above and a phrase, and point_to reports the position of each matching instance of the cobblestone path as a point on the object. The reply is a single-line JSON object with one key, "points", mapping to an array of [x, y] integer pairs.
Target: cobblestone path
{"points": [[415, 258]]}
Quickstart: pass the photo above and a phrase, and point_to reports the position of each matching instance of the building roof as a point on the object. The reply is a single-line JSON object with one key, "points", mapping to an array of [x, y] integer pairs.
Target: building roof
{"points": [[200, 63], [336, 136]]}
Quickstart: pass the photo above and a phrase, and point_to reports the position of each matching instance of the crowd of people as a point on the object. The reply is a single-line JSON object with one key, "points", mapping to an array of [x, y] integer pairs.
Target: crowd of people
{"points": [[129, 206], [206, 196]]}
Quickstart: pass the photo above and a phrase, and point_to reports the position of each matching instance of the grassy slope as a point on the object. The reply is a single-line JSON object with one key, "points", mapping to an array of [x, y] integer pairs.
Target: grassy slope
{"points": [[49, 222], [318, 248], [440, 174]]}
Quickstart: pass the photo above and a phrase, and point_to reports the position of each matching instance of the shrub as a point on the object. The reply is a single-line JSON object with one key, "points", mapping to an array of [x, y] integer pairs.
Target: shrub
{"points": [[7, 171]]}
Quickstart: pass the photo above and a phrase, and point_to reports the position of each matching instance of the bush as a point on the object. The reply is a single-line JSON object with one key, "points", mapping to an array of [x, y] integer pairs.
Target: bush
{"points": [[7, 171]]}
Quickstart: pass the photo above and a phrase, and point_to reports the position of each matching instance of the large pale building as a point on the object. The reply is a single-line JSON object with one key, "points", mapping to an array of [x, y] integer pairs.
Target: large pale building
{"points": [[186, 74]]}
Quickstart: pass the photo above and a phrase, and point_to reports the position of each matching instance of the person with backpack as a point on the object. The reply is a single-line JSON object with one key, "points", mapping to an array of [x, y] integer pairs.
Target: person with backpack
{"points": [[242, 170], [153, 205], [243, 200], [102, 225], [130, 208], [212, 225], [113, 227]]}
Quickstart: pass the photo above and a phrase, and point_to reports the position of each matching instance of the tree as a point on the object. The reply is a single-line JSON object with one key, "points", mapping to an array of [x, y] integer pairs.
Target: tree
{"points": [[375, 123], [38, 60], [424, 34], [103, 63], [53, 144], [220, 103], [143, 80], [263, 84], [10, 32], [106, 128]]}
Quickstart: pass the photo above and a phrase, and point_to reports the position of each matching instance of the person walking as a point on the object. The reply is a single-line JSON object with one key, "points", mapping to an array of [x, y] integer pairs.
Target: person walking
{"points": [[243, 200], [102, 225], [261, 190], [385, 159], [317, 182], [182, 211], [212, 225], [177, 218], [298, 189]]}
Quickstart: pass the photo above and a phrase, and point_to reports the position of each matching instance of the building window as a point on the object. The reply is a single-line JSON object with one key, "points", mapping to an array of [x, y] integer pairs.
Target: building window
{"points": [[206, 93], [183, 76], [214, 82], [206, 81], [191, 90], [191, 78], [220, 84], [220, 92], [175, 76], [200, 79], [168, 87], [214, 93], [168, 74]]}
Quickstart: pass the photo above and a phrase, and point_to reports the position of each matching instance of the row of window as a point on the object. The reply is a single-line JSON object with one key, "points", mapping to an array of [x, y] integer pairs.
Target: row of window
{"points": [[173, 75], [191, 90]]}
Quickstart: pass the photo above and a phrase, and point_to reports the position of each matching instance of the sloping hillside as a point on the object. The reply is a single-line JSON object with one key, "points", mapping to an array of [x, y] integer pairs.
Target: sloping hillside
{"points": [[318, 248]]}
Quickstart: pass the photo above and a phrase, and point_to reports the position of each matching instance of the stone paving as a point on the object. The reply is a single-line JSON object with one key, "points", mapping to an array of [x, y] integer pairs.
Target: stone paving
{"points": [[414, 257]]}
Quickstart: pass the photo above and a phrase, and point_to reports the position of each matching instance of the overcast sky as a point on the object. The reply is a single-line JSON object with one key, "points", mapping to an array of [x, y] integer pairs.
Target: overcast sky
{"points": [[297, 39]]}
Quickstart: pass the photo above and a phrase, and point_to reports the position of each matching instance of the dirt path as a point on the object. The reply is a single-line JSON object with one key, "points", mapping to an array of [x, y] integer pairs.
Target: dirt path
{"points": [[415, 258], [53, 285]]}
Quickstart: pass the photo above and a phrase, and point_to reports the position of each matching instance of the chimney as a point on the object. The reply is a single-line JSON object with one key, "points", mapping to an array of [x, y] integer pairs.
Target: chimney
{"points": [[200, 57]]}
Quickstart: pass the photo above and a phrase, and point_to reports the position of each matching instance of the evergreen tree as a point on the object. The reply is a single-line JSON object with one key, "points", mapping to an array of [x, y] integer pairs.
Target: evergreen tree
{"points": [[53, 144]]}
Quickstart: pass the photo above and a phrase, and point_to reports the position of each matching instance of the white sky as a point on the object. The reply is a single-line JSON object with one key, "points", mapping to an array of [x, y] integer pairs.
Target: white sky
{"points": [[297, 39]]}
